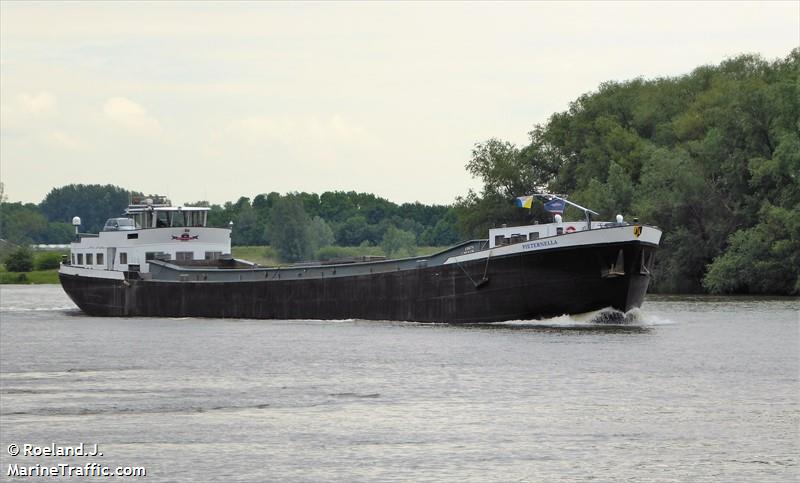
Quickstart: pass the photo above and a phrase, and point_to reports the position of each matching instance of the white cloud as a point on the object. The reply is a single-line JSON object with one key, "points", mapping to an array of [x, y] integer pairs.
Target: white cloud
{"points": [[63, 140], [131, 116], [28, 110], [43, 103]]}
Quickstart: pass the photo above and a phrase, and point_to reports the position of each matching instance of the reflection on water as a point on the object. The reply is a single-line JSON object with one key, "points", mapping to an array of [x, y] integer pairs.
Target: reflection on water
{"points": [[687, 388]]}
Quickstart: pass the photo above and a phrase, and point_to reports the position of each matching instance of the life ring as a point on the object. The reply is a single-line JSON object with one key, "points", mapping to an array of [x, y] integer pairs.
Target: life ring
{"points": [[570, 229]]}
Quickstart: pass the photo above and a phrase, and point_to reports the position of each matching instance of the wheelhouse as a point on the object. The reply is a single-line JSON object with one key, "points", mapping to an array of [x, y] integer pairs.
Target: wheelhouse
{"points": [[168, 216]]}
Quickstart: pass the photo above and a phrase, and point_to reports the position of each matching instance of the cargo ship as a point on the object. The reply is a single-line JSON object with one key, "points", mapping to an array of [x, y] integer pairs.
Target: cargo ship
{"points": [[159, 260]]}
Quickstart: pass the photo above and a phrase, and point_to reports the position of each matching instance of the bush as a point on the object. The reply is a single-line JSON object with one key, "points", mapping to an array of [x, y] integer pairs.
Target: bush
{"points": [[48, 260], [400, 243], [20, 260]]}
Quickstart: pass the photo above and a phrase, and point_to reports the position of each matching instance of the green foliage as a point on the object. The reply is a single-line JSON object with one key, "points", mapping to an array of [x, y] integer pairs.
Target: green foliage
{"points": [[764, 259], [321, 233], [290, 229], [19, 260], [352, 218], [608, 198], [246, 228], [58, 233], [507, 172], [399, 243], [353, 231], [47, 260], [21, 223], [444, 232], [93, 203]]}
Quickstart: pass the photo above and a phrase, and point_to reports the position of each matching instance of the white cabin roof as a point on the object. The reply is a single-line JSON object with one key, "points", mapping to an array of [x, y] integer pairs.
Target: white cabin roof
{"points": [[167, 208]]}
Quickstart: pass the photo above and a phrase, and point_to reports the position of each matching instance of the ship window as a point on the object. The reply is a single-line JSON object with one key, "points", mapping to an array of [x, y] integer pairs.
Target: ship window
{"points": [[194, 218], [176, 218], [534, 235], [199, 218], [73, 259], [498, 240], [89, 259], [137, 220], [80, 259], [162, 219], [184, 256], [156, 255], [213, 255], [123, 258], [516, 238], [99, 258], [133, 236]]}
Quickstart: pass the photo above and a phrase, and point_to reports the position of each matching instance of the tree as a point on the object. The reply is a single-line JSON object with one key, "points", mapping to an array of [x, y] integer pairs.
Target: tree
{"points": [[397, 242], [58, 232], [20, 260], [764, 259], [93, 203], [22, 223], [444, 232], [321, 234], [47, 261], [246, 228], [502, 169], [352, 232], [290, 231]]}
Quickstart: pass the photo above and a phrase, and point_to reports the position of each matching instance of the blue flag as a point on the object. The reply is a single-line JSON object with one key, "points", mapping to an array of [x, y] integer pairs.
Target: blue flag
{"points": [[555, 206]]}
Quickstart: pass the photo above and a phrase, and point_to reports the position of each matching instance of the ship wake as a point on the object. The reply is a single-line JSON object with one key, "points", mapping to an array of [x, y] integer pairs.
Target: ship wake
{"points": [[607, 317]]}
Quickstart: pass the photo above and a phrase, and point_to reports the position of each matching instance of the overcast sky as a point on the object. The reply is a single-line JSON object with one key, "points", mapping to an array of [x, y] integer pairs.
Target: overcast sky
{"points": [[218, 100]]}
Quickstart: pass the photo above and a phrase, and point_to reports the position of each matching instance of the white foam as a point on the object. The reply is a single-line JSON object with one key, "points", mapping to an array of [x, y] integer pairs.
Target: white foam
{"points": [[603, 317], [37, 309]]}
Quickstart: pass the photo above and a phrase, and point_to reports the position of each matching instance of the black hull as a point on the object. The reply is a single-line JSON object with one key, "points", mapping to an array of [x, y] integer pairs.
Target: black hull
{"points": [[522, 286]]}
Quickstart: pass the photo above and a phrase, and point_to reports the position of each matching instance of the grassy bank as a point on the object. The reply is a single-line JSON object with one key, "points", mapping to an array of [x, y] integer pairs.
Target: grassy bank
{"points": [[46, 264], [36, 276]]}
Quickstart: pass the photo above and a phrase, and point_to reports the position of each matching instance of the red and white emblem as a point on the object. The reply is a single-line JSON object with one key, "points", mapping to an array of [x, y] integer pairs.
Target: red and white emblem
{"points": [[185, 237]]}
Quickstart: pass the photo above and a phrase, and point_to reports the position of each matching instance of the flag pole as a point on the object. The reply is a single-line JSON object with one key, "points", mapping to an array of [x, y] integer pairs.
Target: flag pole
{"points": [[586, 211], [550, 197]]}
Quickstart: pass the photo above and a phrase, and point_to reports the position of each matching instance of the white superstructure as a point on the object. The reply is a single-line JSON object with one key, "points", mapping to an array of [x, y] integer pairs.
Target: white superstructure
{"points": [[149, 229]]}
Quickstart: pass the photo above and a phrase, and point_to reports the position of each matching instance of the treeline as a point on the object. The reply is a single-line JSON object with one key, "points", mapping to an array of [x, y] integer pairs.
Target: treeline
{"points": [[51, 220], [297, 224], [712, 157]]}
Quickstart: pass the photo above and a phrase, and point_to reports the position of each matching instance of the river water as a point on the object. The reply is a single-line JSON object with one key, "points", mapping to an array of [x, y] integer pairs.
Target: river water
{"points": [[689, 389]]}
